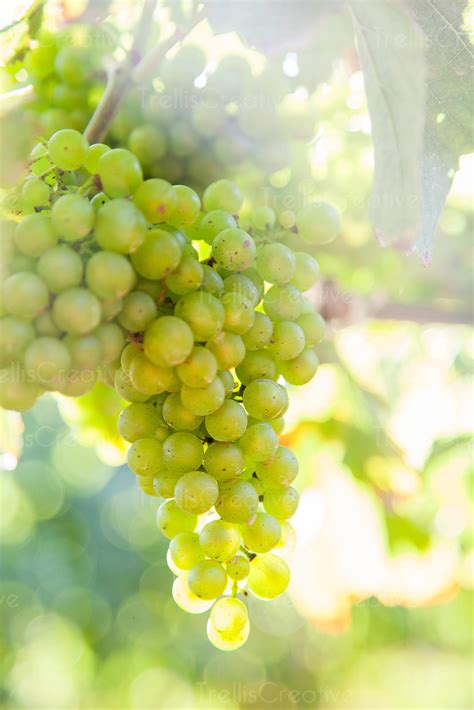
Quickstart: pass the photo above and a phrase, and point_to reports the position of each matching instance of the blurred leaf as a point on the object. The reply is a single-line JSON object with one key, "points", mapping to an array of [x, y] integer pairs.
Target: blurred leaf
{"points": [[442, 446], [401, 530]]}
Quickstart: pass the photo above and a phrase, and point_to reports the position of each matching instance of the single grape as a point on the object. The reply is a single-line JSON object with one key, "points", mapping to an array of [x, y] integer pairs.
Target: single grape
{"points": [[242, 287], [164, 484], [111, 341], [227, 381], [204, 400], [187, 276], [265, 399], [262, 533], [125, 388], [204, 314], [287, 219], [307, 271], [263, 218], [60, 268], [72, 217], [280, 470], [283, 303], [171, 520], [145, 457], [35, 193], [73, 65], [199, 369], [281, 502], [228, 349], [177, 416], [15, 336], [25, 295], [76, 310], [219, 540], [119, 226], [188, 206], [257, 364], [120, 172], [148, 143], [301, 369], [196, 492], [158, 256], [109, 275], [269, 576], [168, 341], [35, 234], [259, 335], [214, 222], [237, 502], [182, 452], [234, 249], [211, 281], [259, 442], [138, 421], [150, 378], [128, 354], [223, 195], [17, 392], [238, 568], [157, 199], [313, 327], [227, 642], [287, 340], [318, 223], [67, 149], [94, 154], [45, 360], [45, 325], [138, 311], [85, 351], [228, 423], [207, 579], [99, 200], [239, 314], [276, 263], [224, 460], [185, 550], [186, 600]]}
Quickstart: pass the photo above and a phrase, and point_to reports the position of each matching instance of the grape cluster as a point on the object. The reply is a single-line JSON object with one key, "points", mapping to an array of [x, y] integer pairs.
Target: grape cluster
{"points": [[195, 322]]}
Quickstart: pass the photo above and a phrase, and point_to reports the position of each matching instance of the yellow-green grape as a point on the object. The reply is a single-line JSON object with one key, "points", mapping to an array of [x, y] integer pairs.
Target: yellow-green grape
{"points": [[185, 550], [172, 520], [126, 390], [287, 219], [15, 335], [219, 540], [128, 354], [214, 222], [276, 263], [168, 341], [237, 502], [25, 295], [207, 579], [152, 379], [187, 276], [234, 249], [60, 268], [262, 533], [287, 340], [45, 360], [203, 312], [148, 143], [263, 218], [227, 381], [45, 325], [112, 341], [35, 193], [199, 369], [186, 600], [138, 311], [259, 335], [109, 275], [238, 568], [243, 287], [301, 369], [228, 349], [224, 461], [281, 470], [177, 416], [145, 457], [157, 199], [99, 200], [165, 483], [307, 271], [76, 311], [67, 149], [228, 616], [17, 391], [318, 223], [182, 452], [94, 154], [196, 492], [283, 302], [313, 327], [85, 351], [212, 281], [72, 217], [228, 642], [119, 226], [120, 173], [269, 576], [139, 420], [287, 541], [147, 485], [257, 365], [188, 206], [265, 399], [223, 195], [239, 313], [281, 502], [204, 400], [259, 442], [35, 234], [158, 256], [228, 423]]}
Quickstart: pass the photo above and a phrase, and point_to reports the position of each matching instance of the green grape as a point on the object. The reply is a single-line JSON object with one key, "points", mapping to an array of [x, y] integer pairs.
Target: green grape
{"points": [[148, 143], [186, 600], [35, 193], [313, 327], [256, 365], [287, 219], [283, 303], [94, 154], [25, 295], [203, 313], [138, 311], [120, 173], [15, 336], [138, 421], [229, 617], [45, 360], [85, 351], [188, 207], [126, 390], [213, 223], [239, 314], [237, 502], [165, 483], [72, 65], [72, 217], [269, 576], [21, 262], [39, 61], [145, 457], [262, 534], [207, 579], [45, 325], [60, 268], [99, 200], [109, 275], [182, 452], [128, 354], [152, 288], [151, 379], [259, 442], [301, 369], [263, 218], [281, 502], [253, 276], [211, 281], [157, 199], [76, 310], [228, 349], [318, 223], [185, 550], [228, 423], [224, 460], [280, 470], [177, 416], [17, 392], [119, 226], [67, 149], [242, 287], [158, 256], [219, 540], [227, 381], [183, 142], [35, 234], [204, 400], [307, 271], [112, 341], [276, 263], [227, 642], [259, 335], [287, 541], [110, 308], [287, 340], [168, 341], [171, 520], [234, 249], [147, 485], [238, 568], [196, 492], [186, 277], [199, 369], [265, 399], [223, 195]]}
